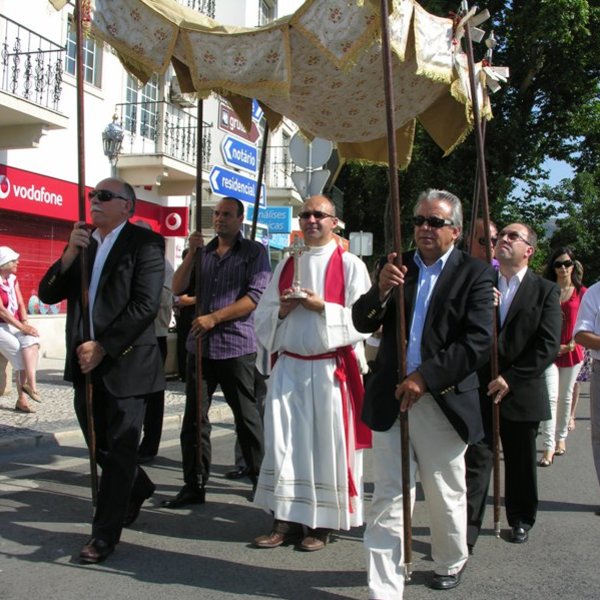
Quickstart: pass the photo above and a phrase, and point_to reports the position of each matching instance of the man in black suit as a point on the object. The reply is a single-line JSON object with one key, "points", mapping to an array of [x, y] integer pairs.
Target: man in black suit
{"points": [[448, 309], [126, 270], [528, 342]]}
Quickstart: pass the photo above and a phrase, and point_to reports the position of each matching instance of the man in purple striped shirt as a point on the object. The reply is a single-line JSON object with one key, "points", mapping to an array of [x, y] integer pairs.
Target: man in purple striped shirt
{"points": [[235, 271]]}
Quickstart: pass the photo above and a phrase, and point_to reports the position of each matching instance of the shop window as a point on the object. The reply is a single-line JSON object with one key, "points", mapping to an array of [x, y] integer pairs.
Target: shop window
{"points": [[39, 242]]}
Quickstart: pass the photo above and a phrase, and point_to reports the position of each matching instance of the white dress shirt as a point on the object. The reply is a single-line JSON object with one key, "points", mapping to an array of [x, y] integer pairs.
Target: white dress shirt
{"points": [[104, 247], [508, 290]]}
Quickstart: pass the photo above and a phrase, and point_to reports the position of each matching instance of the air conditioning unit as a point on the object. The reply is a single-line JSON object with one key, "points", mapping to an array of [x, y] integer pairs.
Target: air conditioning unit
{"points": [[178, 97]]}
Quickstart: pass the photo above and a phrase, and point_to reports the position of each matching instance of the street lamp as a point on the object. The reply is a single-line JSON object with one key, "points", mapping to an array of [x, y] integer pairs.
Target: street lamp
{"points": [[112, 138]]}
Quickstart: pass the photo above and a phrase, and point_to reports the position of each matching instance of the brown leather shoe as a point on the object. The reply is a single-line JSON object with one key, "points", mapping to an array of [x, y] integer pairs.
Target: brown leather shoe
{"points": [[283, 532], [95, 551], [315, 540]]}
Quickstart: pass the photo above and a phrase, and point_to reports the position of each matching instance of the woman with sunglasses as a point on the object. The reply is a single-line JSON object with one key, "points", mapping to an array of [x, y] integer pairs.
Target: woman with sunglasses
{"points": [[562, 374]]}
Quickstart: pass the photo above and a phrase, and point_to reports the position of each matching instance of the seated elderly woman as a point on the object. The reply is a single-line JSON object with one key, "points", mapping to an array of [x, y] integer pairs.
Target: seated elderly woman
{"points": [[19, 341]]}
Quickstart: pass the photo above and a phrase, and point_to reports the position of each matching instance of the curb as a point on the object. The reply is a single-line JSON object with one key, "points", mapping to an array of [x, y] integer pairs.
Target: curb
{"points": [[219, 412]]}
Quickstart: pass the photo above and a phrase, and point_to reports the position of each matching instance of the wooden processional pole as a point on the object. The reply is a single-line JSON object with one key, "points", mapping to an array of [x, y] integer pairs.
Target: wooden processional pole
{"points": [[399, 291]]}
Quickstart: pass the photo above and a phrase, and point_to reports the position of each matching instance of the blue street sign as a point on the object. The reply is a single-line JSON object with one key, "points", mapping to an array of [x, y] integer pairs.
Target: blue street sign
{"points": [[278, 218], [257, 111], [239, 154], [229, 183]]}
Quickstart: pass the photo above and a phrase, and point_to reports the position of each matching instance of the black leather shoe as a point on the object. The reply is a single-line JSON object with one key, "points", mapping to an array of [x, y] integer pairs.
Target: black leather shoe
{"points": [[445, 582], [518, 535], [95, 551], [135, 504], [185, 497], [237, 473]]}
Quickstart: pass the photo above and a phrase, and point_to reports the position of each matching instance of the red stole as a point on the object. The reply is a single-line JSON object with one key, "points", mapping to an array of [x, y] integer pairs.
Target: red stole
{"points": [[346, 372]]}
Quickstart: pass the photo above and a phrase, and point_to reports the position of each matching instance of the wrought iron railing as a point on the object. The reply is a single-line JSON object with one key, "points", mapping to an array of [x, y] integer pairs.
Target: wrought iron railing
{"points": [[31, 66], [160, 127], [206, 7]]}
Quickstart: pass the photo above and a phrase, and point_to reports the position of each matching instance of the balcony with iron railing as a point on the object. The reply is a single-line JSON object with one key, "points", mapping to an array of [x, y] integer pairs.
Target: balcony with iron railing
{"points": [[31, 84], [161, 144]]}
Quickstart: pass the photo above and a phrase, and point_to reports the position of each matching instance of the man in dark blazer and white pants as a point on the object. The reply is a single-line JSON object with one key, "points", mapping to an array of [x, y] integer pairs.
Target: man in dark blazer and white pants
{"points": [[126, 271], [528, 341], [448, 299]]}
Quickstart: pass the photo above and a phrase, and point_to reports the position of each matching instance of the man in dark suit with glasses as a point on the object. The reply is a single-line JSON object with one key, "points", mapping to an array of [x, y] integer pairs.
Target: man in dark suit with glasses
{"points": [[448, 298], [529, 326], [126, 269]]}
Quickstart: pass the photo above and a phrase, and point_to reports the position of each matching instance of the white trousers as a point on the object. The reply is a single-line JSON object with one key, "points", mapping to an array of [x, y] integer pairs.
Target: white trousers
{"points": [[12, 341], [437, 451], [560, 382]]}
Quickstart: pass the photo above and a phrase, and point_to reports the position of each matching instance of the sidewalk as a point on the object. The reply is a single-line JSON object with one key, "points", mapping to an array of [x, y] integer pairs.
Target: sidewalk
{"points": [[55, 421]]}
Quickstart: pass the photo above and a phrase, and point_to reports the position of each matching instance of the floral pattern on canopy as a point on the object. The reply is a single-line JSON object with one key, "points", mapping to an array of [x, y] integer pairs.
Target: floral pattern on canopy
{"points": [[321, 67]]}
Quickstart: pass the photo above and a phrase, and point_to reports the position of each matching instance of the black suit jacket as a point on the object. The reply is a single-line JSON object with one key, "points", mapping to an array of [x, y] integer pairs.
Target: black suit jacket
{"points": [[528, 342], [456, 341], [126, 304]]}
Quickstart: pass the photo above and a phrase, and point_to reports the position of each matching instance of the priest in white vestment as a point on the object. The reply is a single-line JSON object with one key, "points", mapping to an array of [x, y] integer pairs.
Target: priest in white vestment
{"points": [[311, 475]]}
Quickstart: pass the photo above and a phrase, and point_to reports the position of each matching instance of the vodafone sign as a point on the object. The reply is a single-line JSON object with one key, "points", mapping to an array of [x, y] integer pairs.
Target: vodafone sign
{"points": [[30, 193], [174, 221]]}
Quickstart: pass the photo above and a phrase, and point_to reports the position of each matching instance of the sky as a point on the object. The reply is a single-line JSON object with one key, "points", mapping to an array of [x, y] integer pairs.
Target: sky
{"points": [[558, 170]]}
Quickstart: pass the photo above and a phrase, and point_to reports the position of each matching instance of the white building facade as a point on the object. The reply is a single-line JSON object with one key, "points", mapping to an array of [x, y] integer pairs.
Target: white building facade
{"points": [[158, 156]]}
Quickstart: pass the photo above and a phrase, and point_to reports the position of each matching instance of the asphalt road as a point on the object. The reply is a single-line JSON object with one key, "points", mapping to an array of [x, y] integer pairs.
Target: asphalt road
{"points": [[204, 552]]}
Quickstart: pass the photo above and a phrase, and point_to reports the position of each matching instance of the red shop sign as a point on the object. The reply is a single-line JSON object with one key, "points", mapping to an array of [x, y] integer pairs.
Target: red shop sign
{"points": [[33, 194]]}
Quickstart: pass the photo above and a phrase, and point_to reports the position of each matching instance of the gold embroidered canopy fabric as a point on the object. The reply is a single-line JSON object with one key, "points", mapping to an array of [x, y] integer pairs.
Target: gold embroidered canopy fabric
{"points": [[321, 67]]}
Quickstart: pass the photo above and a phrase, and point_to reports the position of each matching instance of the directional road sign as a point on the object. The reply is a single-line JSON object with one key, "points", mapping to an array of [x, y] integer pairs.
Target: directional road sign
{"points": [[257, 111], [229, 183], [239, 154], [230, 122]]}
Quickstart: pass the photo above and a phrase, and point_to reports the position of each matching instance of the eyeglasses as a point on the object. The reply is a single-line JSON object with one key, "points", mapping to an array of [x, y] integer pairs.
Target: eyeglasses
{"points": [[513, 236], [435, 222], [104, 195], [317, 214], [562, 263], [482, 241]]}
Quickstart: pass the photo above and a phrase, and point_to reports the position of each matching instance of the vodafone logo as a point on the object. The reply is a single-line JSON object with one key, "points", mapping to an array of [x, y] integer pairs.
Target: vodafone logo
{"points": [[4, 187], [173, 221]]}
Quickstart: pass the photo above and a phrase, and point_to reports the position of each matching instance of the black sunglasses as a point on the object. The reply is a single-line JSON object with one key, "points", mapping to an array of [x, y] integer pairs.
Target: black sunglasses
{"points": [[317, 214], [513, 236], [104, 195], [562, 263], [482, 241], [435, 222]]}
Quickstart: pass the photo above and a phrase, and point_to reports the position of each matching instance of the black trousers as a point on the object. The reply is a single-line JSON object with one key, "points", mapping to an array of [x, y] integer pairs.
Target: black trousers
{"points": [[183, 322], [155, 410], [236, 378], [117, 423], [260, 393], [520, 476]]}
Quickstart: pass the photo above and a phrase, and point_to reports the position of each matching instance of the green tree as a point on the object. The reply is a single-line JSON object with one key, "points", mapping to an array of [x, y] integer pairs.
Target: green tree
{"points": [[550, 108], [579, 224]]}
